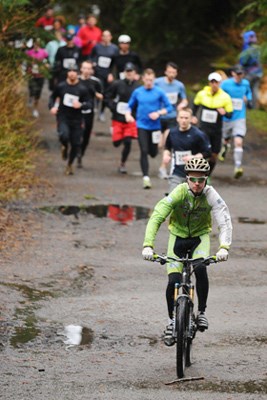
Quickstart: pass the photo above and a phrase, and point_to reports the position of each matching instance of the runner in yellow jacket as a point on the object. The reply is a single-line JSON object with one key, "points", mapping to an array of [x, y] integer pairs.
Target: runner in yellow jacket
{"points": [[212, 103]]}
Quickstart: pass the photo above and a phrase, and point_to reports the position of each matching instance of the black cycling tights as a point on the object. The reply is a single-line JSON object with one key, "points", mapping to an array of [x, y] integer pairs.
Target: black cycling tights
{"points": [[202, 287], [181, 247]]}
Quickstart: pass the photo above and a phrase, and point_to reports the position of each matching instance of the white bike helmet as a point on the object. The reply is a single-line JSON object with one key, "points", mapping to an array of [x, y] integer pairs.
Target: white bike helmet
{"points": [[197, 165]]}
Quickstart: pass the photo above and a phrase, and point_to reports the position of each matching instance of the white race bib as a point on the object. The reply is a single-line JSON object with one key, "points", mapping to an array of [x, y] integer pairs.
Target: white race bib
{"points": [[173, 97], [68, 99], [48, 27], [237, 104], [35, 69], [156, 137], [68, 62], [122, 75], [179, 155], [122, 108], [209, 116], [104, 62]]}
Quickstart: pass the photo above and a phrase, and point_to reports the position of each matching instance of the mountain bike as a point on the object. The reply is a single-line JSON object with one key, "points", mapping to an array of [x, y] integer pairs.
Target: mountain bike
{"points": [[184, 318]]}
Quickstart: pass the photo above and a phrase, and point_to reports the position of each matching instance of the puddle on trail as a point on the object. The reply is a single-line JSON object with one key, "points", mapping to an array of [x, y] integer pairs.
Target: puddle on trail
{"points": [[27, 332], [122, 214], [25, 324], [78, 335], [247, 220], [25, 328]]}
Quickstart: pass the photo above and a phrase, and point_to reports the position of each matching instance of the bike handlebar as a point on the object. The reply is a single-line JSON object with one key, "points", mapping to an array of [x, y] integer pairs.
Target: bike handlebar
{"points": [[163, 259]]}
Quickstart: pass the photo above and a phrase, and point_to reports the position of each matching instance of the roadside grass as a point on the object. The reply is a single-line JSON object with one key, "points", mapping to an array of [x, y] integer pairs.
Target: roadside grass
{"points": [[18, 141], [258, 120]]}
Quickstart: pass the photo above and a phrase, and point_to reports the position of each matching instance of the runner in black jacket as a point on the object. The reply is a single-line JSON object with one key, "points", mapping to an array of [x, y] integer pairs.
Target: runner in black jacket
{"points": [[94, 90], [117, 97], [66, 56], [67, 101]]}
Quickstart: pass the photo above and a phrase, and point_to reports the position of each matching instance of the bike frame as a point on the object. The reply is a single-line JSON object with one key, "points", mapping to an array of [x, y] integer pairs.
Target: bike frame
{"points": [[184, 289]]}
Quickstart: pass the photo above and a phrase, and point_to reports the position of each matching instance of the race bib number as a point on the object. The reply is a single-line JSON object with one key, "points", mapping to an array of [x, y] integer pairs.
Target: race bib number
{"points": [[173, 97], [179, 157], [209, 116], [68, 62], [104, 62], [122, 75], [68, 99], [48, 27], [156, 137], [35, 69], [237, 104], [122, 108]]}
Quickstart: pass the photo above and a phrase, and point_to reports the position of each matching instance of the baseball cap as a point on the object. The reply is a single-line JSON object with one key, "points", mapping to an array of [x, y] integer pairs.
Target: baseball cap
{"points": [[124, 39], [69, 36], [129, 67], [238, 69], [214, 76]]}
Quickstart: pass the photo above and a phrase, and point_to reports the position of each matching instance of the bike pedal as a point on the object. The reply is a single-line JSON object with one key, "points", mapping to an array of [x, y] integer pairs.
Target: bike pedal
{"points": [[169, 342], [201, 329]]}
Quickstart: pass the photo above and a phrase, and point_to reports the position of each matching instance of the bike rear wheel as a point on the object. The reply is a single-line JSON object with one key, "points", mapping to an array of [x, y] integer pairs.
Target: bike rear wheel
{"points": [[183, 344]]}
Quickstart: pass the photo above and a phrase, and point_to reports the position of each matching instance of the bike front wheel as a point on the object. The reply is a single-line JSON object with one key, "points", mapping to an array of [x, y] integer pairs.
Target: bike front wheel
{"points": [[183, 343]]}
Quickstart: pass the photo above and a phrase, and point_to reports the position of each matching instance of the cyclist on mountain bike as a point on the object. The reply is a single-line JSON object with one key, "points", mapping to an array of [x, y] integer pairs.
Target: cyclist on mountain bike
{"points": [[191, 205]]}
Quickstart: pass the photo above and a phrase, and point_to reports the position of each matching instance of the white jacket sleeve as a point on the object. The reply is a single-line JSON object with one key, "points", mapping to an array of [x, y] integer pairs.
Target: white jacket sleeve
{"points": [[221, 215]]}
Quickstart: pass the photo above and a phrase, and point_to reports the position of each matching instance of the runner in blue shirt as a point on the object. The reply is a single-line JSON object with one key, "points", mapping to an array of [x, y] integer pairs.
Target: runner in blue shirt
{"points": [[150, 103], [176, 93], [240, 92]]}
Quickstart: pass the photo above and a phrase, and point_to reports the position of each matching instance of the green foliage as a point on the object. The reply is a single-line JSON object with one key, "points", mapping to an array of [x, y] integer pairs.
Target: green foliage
{"points": [[258, 119], [256, 11], [17, 142], [160, 27]]}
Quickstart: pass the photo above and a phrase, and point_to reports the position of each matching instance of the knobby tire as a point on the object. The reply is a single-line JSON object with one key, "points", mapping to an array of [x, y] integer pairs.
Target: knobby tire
{"points": [[182, 355]]}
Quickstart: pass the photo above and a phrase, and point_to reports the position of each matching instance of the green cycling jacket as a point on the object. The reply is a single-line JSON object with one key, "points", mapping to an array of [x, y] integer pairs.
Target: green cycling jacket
{"points": [[190, 215]]}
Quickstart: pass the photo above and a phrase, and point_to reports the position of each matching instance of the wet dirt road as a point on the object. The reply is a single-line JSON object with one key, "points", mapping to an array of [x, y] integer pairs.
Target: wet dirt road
{"points": [[80, 267]]}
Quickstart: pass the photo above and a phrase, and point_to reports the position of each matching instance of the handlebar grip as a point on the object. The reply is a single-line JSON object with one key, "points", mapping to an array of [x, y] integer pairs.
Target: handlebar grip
{"points": [[160, 259]]}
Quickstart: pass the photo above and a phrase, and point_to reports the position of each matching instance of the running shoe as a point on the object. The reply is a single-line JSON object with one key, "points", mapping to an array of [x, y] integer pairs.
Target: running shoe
{"points": [[224, 150], [238, 172], [169, 340], [146, 182], [35, 113], [102, 117], [163, 173], [202, 321], [69, 170], [122, 169]]}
